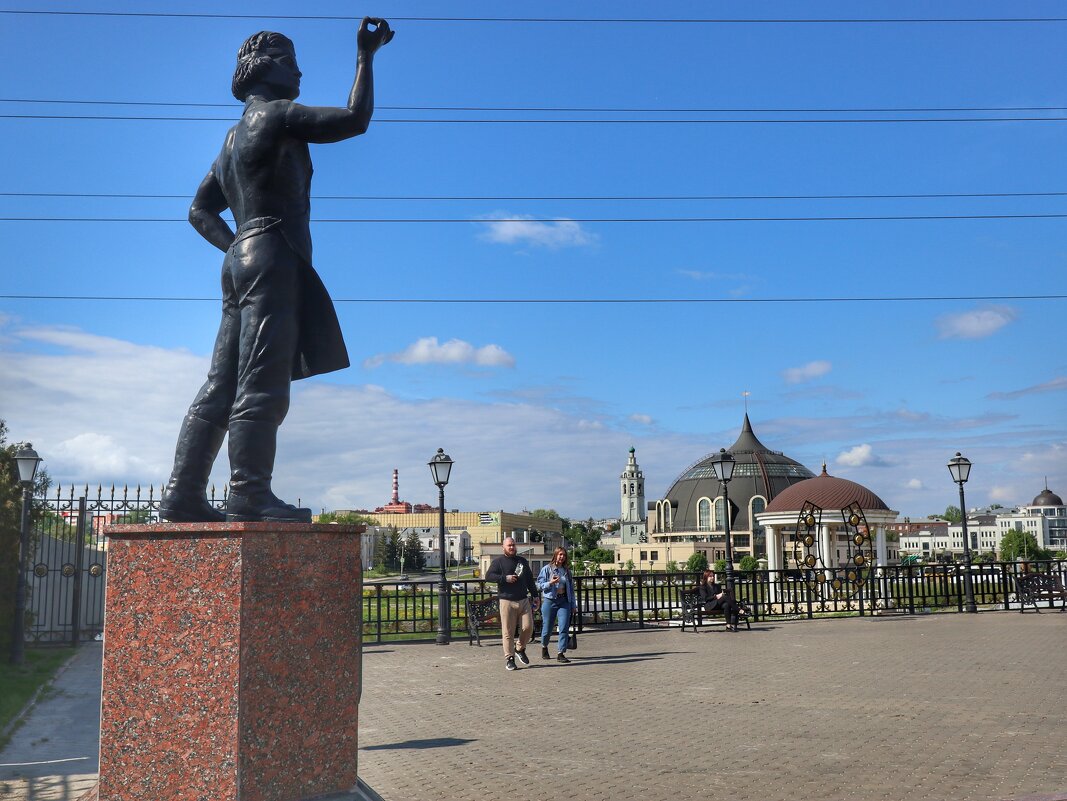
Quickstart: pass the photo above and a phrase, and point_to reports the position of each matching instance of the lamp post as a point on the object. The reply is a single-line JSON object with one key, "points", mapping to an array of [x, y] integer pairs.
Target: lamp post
{"points": [[27, 460], [960, 469], [723, 465], [440, 467]]}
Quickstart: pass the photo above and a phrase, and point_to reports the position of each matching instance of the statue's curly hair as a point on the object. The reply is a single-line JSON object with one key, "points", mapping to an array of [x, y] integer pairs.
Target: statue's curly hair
{"points": [[252, 63]]}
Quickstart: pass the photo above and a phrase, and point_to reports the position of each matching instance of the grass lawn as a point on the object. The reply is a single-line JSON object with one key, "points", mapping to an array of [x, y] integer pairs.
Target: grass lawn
{"points": [[22, 681]]}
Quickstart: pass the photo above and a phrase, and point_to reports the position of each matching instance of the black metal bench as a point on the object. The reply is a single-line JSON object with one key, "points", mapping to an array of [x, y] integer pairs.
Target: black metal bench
{"points": [[1033, 587], [483, 613], [693, 611]]}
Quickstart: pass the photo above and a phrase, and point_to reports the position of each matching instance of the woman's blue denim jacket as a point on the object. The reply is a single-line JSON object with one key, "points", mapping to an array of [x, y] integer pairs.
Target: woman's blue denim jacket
{"points": [[548, 592]]}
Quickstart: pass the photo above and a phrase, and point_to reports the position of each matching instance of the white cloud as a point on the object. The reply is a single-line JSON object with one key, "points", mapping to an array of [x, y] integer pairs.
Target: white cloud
{"points": [[510, 229], [95, 419], [914, 484], [700, 275], [1002, 493], [1057, 384], [860, 456], [428, 350], [975, 324], [807, 372], [642, 419], [91, 452]]}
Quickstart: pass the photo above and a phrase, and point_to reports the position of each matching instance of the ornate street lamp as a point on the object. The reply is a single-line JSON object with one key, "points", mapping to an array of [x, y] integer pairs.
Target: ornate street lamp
{"points": [[440, 467], [723, 465], [960, 469], [27, 460]]}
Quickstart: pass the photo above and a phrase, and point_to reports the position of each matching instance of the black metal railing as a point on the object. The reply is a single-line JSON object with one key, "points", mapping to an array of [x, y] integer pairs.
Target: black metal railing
{"points": [[68, 566], [645, 600]]}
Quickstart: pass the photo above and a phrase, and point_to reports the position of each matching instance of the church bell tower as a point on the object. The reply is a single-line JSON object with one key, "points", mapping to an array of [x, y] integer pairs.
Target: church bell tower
{"points": [[632, 518]]}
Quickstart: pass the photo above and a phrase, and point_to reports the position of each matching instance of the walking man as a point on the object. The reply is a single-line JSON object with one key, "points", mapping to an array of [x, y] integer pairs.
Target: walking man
{"points": [[516, 588], [278, 322]]}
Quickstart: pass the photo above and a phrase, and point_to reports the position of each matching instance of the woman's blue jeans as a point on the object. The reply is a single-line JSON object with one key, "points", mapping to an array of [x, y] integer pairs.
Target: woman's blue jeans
{"points": [[551, 612]]}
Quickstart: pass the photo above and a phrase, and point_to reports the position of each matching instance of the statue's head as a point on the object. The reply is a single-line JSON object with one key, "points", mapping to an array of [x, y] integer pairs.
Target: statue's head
{"points": [[266, 57]]}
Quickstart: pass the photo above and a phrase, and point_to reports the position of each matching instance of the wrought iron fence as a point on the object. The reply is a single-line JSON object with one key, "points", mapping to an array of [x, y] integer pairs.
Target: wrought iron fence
{"points": [[67, 567], [644, 600]]}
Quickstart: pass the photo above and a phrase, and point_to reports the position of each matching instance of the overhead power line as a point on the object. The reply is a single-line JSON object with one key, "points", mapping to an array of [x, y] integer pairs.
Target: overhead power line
{"points": [[566, 20], [552, 220], [612, 198], [574, 109], [570, 121], [524, 301]]}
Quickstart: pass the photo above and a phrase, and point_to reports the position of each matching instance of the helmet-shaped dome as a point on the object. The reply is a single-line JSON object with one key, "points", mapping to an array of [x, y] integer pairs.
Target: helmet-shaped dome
{"points": [[757, 471]]}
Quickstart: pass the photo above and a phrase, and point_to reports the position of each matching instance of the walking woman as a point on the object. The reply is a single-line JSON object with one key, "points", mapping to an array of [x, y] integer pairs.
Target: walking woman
{"points": [[557, 602]]}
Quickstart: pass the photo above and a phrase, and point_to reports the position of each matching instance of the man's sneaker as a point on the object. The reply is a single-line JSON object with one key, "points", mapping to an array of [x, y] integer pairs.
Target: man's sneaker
{"points": [[563, 658], [522, 656], [510, 663], [544, 652]]}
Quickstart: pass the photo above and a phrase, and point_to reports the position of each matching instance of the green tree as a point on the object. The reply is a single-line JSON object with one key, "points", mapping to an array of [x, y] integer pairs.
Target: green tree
{"points": [[749, 563], [720, 566], [583, 538], [697, 563], [599, 555], [630, 565], [1060, 555], [137, 516], [1018, 544], [952, 514], [347, 519], [10, 528], [546, 514], [671, 566], [414, 556], [392, 549]]}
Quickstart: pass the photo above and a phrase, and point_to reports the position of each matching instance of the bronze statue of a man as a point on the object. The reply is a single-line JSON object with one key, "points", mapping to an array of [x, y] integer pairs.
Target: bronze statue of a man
{"points": [[278, 322]]}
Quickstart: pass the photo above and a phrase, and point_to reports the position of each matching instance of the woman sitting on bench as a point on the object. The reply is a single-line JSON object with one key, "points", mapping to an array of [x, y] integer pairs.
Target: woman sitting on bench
{"points": [[716, 597]]}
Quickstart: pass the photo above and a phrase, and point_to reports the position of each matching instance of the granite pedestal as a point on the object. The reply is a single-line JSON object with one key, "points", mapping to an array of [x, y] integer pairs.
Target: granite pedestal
{"points": [[231, 664]]}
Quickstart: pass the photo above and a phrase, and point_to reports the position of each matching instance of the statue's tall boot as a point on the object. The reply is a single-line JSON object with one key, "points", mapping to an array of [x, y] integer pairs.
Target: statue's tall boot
{"points": [[185, 496], [253, 445]]}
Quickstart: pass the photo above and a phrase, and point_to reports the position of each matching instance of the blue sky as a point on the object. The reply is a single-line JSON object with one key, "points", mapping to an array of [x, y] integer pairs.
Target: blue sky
{"points": [[539, 402]]}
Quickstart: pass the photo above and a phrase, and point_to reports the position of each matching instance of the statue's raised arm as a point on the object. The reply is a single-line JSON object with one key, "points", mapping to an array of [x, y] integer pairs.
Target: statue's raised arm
{"points": [[329, 124]]}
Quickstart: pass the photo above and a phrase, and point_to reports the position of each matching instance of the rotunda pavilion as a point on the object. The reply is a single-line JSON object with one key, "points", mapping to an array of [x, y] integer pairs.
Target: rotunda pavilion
{"points": [[832, 495]]}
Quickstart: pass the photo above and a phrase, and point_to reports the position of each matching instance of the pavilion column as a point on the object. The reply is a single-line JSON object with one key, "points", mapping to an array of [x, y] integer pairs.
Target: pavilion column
{"points": [[829, 557], [774, 562], [881, 552]]}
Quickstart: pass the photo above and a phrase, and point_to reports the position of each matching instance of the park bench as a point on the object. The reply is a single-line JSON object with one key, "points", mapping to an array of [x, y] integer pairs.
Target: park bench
{"points": [[693, 612], [483, 613], [1033, 587]]}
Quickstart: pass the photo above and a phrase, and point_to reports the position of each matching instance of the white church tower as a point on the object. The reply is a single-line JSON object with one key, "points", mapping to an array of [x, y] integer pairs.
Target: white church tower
{"points": [[632, 519]]}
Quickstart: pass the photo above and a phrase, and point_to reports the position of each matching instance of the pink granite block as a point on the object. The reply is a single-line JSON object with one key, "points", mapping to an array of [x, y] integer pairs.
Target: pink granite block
{"points": [[231, 662]]}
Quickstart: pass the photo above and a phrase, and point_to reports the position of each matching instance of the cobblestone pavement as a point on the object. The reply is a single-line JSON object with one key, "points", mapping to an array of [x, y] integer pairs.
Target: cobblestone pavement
{"points": [[944, 706], [953, 707]]}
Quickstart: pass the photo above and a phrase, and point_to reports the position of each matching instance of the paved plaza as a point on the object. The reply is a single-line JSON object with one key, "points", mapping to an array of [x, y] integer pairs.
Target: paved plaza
{"points": [[930, 707]]}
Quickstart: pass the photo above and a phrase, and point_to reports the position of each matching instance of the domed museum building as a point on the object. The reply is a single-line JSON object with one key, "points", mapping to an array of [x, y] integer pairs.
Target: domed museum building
{"points": [[691, 517]]}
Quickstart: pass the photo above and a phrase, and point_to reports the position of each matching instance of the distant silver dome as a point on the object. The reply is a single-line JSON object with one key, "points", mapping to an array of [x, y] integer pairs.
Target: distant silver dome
{"points": [[757, 471]]}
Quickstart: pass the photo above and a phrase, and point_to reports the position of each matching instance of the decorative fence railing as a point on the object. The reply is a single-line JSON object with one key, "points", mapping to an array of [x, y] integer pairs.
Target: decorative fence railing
{"points": [[67, 570], [408, 610], [67, 564]]}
